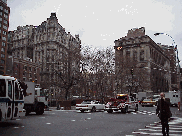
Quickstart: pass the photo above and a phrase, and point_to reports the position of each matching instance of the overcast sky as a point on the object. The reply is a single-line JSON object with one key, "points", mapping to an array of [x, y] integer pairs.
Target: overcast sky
{"points": [[100, 22]]}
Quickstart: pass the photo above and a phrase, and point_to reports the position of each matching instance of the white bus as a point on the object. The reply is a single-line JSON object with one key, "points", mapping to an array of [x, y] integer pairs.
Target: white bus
{"points": [[11, 98]]}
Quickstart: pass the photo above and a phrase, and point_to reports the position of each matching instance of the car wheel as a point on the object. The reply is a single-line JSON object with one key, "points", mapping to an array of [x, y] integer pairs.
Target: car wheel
{"points": [[82, 111], [126, 109], [93, 109], [27, 112], [40, 110], [109, 111]]}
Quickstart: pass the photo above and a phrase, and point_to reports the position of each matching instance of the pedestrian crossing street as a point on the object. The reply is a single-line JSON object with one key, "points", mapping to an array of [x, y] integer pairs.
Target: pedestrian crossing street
{"points": [[175, 126]]}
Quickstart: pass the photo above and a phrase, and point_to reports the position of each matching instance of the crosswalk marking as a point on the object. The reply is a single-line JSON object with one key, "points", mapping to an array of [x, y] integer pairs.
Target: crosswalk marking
{"points": [[175, 128]]}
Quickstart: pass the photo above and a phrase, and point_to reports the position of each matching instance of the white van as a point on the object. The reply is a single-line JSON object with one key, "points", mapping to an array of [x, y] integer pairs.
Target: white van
{"points": [[174, 97]]}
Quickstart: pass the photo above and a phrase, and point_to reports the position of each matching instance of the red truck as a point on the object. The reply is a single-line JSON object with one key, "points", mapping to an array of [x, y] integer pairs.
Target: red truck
{"points": [[122, 102]]}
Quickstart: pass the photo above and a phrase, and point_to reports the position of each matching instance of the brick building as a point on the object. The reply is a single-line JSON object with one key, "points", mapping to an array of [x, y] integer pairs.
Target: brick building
{"points": [[142, 64], [4, 24], [24, 70]]}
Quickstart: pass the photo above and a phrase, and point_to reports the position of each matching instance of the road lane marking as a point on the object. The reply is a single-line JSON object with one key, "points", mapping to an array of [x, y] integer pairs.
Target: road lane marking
{"points": [[48, 123], [16, 127]]}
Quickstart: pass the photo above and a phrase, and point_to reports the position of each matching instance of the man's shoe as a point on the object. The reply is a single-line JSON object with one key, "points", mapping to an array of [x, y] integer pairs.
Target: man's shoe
{"points": [[167, 133]]}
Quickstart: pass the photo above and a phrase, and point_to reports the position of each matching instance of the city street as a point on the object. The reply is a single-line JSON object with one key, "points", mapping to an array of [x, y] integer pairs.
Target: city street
{"points": [[75, 123]]}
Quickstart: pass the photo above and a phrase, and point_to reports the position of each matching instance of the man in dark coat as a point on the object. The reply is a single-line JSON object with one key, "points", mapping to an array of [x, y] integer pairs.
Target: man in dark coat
{"points": [[164, 113]]}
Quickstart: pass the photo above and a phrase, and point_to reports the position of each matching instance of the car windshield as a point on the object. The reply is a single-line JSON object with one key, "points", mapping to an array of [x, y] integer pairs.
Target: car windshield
{"points": [[86, 102], [122, 97], [146, 100], [156, 97]]}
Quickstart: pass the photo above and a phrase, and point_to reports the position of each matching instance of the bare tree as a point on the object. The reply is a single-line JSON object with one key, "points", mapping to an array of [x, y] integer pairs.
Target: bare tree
{"points": [[131, 75], [98, 68]]}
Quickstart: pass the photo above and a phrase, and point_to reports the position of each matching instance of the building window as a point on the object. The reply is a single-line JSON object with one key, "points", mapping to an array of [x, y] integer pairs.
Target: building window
{"points": [[2, 62], [1, 19], [1, 7], [135, 55], [6, 16], [5, 22], [142, 55], [35, 75], [3, 44], [127, 54], [30, 68], [4, 38], [1, 13], [5, 1], [5, 27], [2, 56], [25, 67], [6, 11], [4, 32], [2, 49]]}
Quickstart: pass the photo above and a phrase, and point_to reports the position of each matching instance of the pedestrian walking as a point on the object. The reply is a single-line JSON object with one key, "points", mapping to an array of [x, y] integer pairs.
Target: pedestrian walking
{"points": [[164, 113]]}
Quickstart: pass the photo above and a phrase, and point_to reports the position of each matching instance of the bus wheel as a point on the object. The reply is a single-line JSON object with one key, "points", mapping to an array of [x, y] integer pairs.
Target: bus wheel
{"points": [[40, 110], [16, 112], [27, 112]]}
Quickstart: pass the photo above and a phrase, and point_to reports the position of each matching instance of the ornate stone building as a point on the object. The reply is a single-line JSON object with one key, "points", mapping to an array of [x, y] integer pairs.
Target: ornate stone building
{"points": [[170, 52], [142, 64], [56, 52]]}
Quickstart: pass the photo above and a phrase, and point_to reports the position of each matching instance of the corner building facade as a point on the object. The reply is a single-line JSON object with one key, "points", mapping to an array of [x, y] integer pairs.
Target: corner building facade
{"points": [[48, 46], [148, 61]]}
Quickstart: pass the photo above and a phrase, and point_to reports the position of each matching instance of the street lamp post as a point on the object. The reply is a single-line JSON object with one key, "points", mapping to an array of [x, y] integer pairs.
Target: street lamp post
{"points": [[175, 46], [131, 90]]}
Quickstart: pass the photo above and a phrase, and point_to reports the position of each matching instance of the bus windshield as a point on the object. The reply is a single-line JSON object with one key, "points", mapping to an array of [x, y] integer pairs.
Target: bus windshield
{"points": [[2, 88]]}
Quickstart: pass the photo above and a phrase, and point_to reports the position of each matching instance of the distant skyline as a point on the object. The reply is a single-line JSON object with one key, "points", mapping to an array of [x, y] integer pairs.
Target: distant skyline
{"points": [[100, 23]]}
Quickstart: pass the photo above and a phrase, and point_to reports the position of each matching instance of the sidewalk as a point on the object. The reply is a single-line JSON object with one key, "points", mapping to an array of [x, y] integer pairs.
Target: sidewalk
{"points": [[177, 113]]}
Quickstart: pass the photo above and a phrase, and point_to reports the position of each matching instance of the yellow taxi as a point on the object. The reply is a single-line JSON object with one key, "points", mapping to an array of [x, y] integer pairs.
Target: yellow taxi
{"points": [[148, 102]]}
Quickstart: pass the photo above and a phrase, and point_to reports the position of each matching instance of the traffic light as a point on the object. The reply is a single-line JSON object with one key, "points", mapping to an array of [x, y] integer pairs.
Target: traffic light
{"points": [[132, 71]]}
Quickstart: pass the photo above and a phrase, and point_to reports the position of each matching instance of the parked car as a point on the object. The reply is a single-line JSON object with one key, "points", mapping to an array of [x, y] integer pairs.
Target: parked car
{"points": [[148, 102], [90, 105]]}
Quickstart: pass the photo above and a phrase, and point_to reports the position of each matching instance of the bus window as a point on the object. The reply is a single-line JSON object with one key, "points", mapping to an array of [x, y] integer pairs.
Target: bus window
{"points": [[16, 92], [21, 95], [2, 88], [10, 89]]}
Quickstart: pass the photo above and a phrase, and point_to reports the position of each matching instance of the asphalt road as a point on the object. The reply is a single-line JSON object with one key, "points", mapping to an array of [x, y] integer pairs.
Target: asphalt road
{"points": [[72, 123]]}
